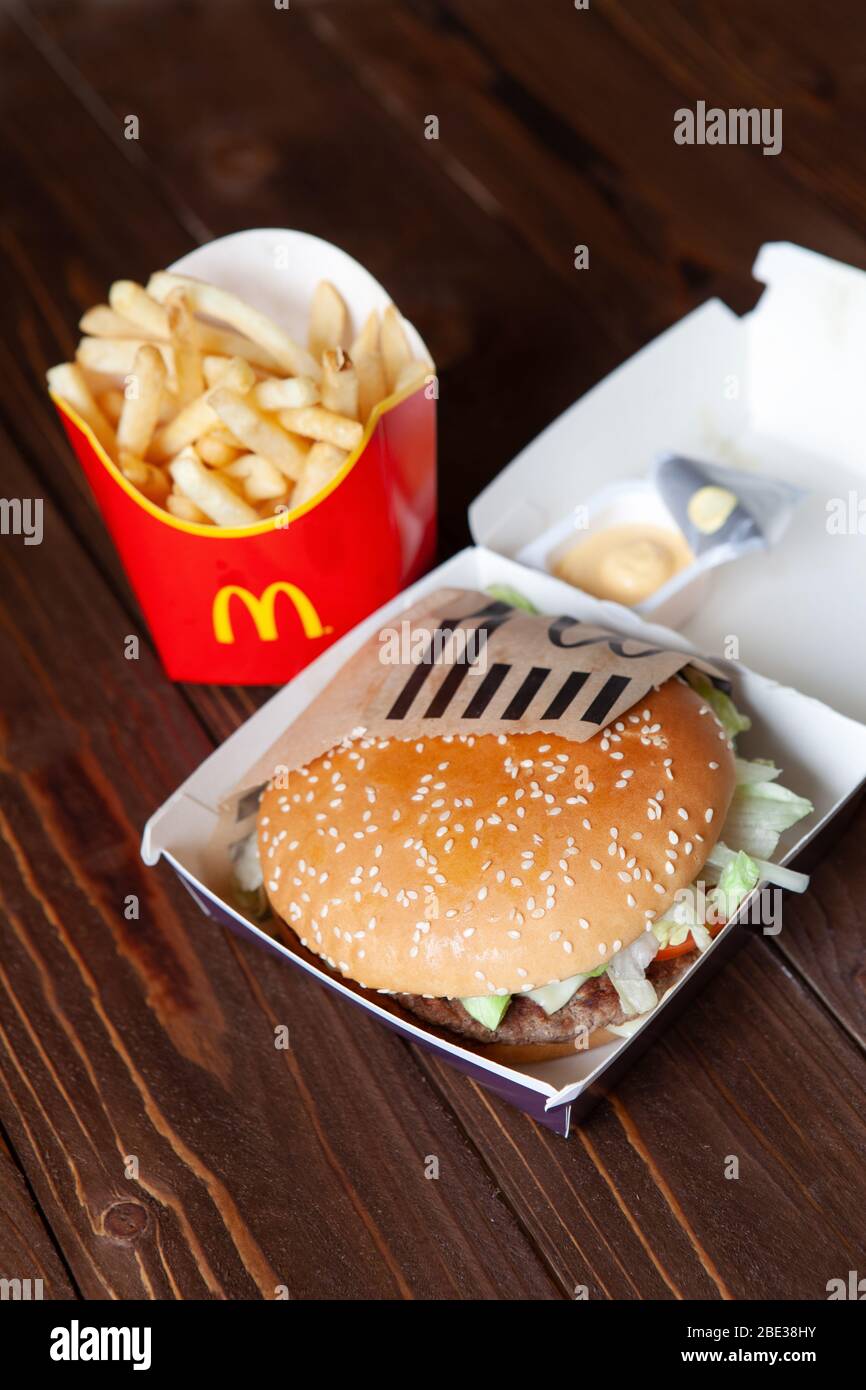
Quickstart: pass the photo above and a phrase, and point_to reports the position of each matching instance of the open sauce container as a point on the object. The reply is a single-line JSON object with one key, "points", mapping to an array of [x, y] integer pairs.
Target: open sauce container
{"points": [[650, 543]]}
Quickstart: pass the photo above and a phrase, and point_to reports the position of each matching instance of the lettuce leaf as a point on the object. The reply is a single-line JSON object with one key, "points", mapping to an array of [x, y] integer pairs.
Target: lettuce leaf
{"points": [[758, 814], [514, 597], [681, 921], [487, 1009], [760, 770], [739, 876], [720, 857], [721, 704], [555, 996], [627, 973]]}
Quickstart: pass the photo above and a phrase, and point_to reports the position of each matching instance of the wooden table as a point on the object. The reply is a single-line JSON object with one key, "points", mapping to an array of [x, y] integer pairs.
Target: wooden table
{"points": [[154, 1143]]}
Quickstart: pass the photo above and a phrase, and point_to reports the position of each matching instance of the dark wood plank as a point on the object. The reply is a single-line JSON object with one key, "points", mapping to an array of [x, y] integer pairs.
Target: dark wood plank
{"points": [[26, 1251], [271, 151], [523, 162], [808, 66], [616, 73], [638, 1202], [174, 1150], [640, 1179]]}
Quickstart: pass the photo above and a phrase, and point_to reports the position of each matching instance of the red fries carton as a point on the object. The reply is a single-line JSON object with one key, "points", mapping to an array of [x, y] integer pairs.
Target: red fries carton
{"points": [[254, 605]]}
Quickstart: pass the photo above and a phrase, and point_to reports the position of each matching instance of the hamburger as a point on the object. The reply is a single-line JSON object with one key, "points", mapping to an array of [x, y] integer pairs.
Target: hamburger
{"points": [[525, 894]]}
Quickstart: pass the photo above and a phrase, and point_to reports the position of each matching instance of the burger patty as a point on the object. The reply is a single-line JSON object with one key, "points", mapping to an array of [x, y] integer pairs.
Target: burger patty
{"points": [[595, 1005]]}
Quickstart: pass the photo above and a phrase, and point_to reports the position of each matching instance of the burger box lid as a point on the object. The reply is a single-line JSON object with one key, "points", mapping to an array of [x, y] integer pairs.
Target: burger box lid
{"points": [[822, 752], [776, 392]]}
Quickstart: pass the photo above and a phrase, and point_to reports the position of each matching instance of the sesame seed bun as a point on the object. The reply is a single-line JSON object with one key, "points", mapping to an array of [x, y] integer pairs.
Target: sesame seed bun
{"points": [[474, 864]]}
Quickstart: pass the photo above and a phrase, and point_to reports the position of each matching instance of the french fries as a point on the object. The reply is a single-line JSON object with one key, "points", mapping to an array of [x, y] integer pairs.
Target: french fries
{"points": [[339, 384], [142, 400], [149, 479], [68, 381], [116, 356], [187, 357], [198, 416], [210, 493], [130, 301], [180, 506], [287, 394], [396, 352], [214, 412], [261, 480], [111, 404], [323, 462], [222, 304], [259, 434], [215, 451], [329, 319], [316, 423], [103, 322], [367, 356]]}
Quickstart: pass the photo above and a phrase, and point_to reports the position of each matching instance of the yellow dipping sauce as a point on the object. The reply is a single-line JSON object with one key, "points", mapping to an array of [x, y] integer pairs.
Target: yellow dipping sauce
{"points": [[625, 563]]}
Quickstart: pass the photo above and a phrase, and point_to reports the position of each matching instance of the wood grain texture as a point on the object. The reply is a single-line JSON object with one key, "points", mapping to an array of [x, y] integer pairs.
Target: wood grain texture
{"points": [[156, 1038], [753, 1071], [301, 143], [26, 1249], [174, 1150], [631, 67]]}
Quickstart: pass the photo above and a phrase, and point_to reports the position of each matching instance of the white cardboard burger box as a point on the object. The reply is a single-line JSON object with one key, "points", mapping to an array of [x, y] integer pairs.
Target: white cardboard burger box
{"points": [[823, 755], [779, 392]]}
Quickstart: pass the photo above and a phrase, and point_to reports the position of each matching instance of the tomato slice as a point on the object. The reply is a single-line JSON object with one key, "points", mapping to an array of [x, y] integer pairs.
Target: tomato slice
{"points": [[669, 952]]}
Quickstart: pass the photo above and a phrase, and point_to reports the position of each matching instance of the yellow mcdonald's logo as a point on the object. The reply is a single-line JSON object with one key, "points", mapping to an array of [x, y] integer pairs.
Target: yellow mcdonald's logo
{"points": [[263, 611]]}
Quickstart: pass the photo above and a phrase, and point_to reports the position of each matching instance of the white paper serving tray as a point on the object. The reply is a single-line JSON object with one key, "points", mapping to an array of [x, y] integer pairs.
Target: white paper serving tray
{"points": [[779, 391], [823, 755]]}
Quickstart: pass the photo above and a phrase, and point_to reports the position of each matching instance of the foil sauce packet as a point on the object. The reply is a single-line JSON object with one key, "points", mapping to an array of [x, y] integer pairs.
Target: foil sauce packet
{"points": [[459, 662], [724, 512]]}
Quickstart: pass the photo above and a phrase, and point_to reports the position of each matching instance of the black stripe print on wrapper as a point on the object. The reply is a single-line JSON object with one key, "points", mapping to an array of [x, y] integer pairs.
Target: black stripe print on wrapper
{"points": [[513, 691], [497, 613], [606, 699], [529, 688], [540, 673], [486, 690]]}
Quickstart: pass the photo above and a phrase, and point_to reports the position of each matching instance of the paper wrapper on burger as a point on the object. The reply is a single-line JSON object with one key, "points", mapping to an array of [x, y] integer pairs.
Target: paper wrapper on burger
{"points": [[433, 849]]}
